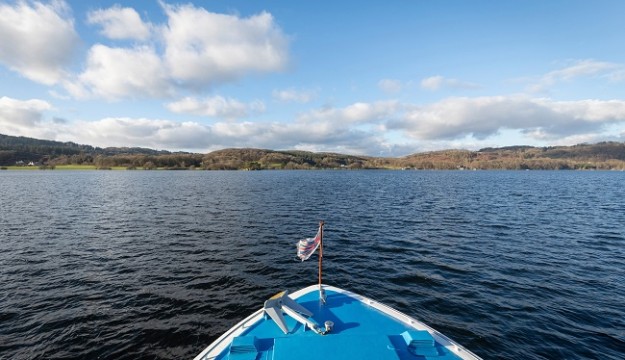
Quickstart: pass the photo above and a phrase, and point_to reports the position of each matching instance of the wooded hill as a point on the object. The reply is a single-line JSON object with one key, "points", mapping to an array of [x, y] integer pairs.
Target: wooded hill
{"points": [[48, 154]]}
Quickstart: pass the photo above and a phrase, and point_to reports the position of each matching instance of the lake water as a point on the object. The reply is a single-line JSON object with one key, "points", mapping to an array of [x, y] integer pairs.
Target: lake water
{"points": [[156, 265]]}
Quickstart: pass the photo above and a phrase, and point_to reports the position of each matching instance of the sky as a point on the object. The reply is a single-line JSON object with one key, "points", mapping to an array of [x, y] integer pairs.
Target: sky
{"points": [[372, 78]]}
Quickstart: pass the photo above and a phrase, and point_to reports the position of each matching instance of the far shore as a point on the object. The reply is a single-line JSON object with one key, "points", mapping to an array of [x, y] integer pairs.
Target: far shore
{"points": [[123, 168]]}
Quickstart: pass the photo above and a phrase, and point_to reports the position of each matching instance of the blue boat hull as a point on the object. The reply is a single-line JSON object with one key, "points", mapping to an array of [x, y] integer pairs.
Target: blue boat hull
{"points": [[362, 329]]}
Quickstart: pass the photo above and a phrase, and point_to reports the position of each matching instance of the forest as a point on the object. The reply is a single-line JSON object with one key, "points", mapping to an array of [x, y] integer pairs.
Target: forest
{"points": [[47, 154]]}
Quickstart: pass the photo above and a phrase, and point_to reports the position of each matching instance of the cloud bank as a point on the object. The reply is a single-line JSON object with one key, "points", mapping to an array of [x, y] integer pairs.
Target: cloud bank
{"points": [[386, 127], [483, 117], [216, 106]]}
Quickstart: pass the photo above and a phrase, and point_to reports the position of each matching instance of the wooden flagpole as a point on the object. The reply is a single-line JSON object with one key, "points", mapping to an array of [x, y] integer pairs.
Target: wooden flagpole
{"points": [[321, 292]]}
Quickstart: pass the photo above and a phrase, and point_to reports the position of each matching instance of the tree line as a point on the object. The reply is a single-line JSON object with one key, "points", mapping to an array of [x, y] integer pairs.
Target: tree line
{"points": [[49, 154]]}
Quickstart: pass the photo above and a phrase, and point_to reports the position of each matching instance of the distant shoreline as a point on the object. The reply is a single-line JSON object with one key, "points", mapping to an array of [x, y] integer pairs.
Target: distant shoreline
{"points": [[87, 168], [26, 153]]}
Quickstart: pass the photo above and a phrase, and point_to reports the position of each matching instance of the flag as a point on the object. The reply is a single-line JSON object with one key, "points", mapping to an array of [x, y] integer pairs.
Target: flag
{"points": [[307, 247]]}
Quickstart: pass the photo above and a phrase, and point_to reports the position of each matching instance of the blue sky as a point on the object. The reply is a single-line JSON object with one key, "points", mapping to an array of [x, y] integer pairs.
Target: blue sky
{"points": [[378, 78]]}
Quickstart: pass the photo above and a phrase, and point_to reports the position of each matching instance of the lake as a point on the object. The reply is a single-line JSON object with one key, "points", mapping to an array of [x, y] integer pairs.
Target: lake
{"points": [[157, 264]]}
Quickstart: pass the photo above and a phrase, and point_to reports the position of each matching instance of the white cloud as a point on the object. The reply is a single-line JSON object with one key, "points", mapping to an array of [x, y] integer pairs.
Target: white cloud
{"points": [[483, 117], [200, 49], [293, 95], [314, 133], [22, 112], [438, 82], [193, 136], [114, 73], [390, 85], [433, 82], [579, 68], [25, 117], [204, 48], [378, 128], [38, 40], [359, 112], [143, 132], [216, 106], [120, 23], [318, 136]]}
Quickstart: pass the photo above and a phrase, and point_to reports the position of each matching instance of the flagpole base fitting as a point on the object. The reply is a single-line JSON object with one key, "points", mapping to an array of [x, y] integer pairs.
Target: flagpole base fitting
{"points": [[329, 325]]}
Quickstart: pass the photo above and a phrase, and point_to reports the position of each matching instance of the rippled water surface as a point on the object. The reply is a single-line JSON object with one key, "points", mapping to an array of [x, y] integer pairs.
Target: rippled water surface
{"points": [[156, 265]]}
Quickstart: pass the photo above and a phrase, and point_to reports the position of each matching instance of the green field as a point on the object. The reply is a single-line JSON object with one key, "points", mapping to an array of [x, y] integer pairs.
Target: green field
{"points": [[74, 167], [62, 167], [85, 167], [20, 168]]}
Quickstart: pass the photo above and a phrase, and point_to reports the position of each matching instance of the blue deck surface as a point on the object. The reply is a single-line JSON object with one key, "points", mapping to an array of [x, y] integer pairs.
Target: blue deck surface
{"points": [[360, 332]]}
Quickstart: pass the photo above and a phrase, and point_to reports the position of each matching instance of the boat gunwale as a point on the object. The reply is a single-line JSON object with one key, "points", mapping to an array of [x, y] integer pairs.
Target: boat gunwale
{"points": [[213, 350]]}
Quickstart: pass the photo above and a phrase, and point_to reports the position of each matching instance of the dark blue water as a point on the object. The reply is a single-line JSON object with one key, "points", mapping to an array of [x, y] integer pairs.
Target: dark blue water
{"points": [[156, 265]]}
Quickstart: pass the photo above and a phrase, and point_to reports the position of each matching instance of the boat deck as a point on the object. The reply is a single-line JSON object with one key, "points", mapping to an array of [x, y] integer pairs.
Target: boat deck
{"points": [[363, 329]]}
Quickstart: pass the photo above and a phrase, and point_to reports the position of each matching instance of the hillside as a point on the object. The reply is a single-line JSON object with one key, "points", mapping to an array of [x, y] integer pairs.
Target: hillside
{"points": [[601, 156], [257, 159], [14, 149], [605, 155]]}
